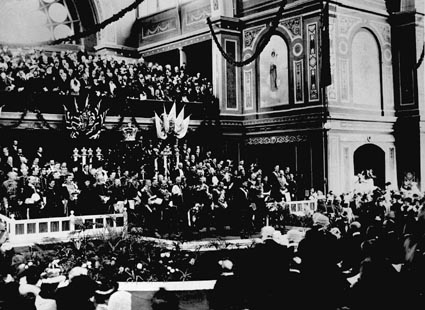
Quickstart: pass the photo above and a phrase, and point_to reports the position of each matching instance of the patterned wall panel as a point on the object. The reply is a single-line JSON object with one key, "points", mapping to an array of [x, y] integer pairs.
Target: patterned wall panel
{"points": [[298, 81], [194, 14], [344, 78], [231, 89], [332, 89], [293, 26], [346, 23], [160, 26], [276, 139], [312, 53], [248, 89], [250, 35]]}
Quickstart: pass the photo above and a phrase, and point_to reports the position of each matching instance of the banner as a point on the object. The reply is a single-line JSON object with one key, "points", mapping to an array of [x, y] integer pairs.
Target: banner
{"points": [[160, 131], [87, 123], [169, 124], [326, 62], [181, 131]]}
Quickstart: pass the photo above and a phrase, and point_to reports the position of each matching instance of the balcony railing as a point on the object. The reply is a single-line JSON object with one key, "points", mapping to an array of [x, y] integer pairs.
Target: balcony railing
{"points": [[52, 103]]}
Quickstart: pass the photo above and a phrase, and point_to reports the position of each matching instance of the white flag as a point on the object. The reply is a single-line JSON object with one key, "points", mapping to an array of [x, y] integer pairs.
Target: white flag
{"points": [[179, 120], [159, 128], [172, 118], [182, 131], [165, 121]]}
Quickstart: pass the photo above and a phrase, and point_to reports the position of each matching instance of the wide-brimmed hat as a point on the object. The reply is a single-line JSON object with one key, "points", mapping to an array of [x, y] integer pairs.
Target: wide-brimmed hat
{"points": [[320, 219], [267, 232], [77, 271]]}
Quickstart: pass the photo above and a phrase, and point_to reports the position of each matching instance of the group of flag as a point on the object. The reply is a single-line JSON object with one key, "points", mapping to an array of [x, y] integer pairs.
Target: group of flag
{"points": [[171, 123]]}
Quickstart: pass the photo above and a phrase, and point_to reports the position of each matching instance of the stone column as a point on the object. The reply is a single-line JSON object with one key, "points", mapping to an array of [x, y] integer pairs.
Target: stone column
{"points": [[226, 77]]}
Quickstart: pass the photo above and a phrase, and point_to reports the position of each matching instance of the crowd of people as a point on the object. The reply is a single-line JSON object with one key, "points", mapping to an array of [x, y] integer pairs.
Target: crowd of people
{"points": [[33, 71], [373, 259], [364, 249], [26, 287], [162, 194]]}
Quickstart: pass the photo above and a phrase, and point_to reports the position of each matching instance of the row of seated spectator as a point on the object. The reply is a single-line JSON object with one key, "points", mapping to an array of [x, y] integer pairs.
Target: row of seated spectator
{"points": [[158, 194], [67, 72]]}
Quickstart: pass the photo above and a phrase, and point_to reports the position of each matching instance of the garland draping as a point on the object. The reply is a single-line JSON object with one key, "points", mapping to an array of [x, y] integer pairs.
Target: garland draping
{"points": [[19, 122], [263, 43], [43, 121], [421, 58], [96, 28]]}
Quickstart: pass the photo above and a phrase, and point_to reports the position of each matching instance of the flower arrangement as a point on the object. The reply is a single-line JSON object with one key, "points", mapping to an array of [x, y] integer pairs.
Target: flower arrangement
{"points": [[126, 258]]}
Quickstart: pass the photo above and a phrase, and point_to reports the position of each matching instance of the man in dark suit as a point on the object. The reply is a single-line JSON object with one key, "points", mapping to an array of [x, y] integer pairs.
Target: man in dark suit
{"points": [[269, 279], [240, 209], [319, 259]]}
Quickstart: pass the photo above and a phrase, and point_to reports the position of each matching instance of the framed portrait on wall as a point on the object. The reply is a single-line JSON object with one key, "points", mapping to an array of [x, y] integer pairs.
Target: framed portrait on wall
{"points": [[273, 73]]}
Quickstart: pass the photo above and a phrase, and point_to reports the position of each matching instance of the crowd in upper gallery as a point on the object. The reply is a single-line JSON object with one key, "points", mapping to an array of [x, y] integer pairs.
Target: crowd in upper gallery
{"points": [[35, 71]]}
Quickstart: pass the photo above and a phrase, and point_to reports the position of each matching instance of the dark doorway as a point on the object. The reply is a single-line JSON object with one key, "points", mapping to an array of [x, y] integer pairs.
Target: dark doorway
{"points": [[370, 156], [199, 59]]}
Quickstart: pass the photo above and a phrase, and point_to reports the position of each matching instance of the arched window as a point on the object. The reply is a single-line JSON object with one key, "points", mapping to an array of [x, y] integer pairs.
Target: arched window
{"points": [[366, 71], [273, 73], [32, 21]]}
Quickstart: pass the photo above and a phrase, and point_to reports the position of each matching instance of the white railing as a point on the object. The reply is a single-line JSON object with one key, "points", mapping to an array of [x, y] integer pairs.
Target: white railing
{"points": [[304, 207], [55, 229], [300, 208]]}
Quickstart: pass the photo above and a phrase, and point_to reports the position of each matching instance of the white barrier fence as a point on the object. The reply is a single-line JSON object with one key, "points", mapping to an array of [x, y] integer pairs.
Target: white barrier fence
{"points": [[304, 207], [64, 228], [61, 228], [299, 208]]}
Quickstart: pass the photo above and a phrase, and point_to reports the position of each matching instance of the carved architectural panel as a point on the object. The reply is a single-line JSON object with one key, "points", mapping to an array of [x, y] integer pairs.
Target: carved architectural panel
{"points": [[346, 23], [155, 28], [297, 49], [249, 35], [293, 26], [276, 139], [342, 47], [248, 87], [388, 87], [230, 76], [198, 15], [343, 75], [332, 93], [312, 47], [383, 30], [298, 81], [347, 159]]}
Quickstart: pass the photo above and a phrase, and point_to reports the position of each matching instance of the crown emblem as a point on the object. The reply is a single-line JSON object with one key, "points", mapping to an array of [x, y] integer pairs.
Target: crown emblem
{"points": [[129, 132]]}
